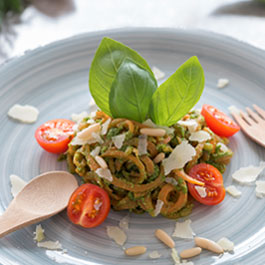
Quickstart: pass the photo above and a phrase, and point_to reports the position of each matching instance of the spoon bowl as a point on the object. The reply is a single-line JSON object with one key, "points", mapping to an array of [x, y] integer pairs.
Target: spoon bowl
{"points": [[43, 197]]}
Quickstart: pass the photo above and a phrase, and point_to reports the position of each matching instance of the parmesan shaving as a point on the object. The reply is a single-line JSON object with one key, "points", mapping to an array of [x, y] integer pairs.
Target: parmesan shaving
{"points": [[118, 140], [77, 141], [171, 181], [95, 152], [17, 184], [105, 126], [79, 117], [50, 245], [149, 123], [192, 125], [158, 73], [104, 173], [124, 223], [247, 175], [222, 82], [115, 233], [96, 138], [39, 233], [142, 144], [158, 207], [233, 191], [180, 155], [183, 230], [200, 136], [226, 244], [223, 147], [26, 113], [233, 109], [201, 190], [155, 255], [175, 256], [260, 189]]}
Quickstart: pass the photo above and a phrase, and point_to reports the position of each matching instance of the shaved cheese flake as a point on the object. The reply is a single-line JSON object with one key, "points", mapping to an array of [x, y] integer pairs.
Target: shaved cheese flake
{"points": [[222, 82], [105, 126], [183, 230], [158, 207], [104, 173], [115, 233], [155, 255], [17, 184], [181, 154], [175, 256], [222, 147], [200, 136], [246, 175], [201, 190], [233, 191], [226, 244], [171, 181], [79, 117], [142, 144], [118, 140], [149, 123], [77, 141], [191, 125], [96, 138], [23, 113], [158, 73], [260, 189], [39, 233], [124, 223], [233, 109], [95, 152], [50, 245]]}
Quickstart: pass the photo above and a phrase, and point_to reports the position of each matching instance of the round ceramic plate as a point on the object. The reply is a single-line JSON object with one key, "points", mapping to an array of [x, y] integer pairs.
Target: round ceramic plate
{"points": [[54, 78]]}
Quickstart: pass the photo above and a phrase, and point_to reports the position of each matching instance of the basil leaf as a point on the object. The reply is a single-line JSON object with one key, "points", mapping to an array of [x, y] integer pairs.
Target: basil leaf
{"points": [[178, 94], [104, 67], [131, 92]]}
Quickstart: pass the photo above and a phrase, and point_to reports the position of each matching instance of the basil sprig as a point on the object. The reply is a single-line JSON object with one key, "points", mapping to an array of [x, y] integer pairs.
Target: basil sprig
{"points": [[123, 85]]}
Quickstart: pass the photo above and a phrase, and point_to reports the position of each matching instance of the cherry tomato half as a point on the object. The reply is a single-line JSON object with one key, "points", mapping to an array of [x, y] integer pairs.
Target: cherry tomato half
{"points": [[213, 179], [219, 122], [55, 135], [88, 206]]}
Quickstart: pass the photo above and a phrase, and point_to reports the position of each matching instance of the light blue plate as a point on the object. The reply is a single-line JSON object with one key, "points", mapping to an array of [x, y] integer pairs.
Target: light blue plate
{"points": [[54, 78]]}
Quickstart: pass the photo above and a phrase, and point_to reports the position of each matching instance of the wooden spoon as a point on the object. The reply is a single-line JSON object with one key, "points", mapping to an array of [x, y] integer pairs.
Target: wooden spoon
{"points": [[43, 197]]}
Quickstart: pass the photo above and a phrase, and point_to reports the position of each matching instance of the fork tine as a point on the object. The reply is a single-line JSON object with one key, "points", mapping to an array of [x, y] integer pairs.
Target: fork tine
{"points": [[239, 120], [246, 118], [253, 115], [259, 110]]}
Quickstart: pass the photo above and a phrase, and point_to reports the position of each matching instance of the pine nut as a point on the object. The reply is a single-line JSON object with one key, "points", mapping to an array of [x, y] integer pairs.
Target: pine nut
{"points": [[134, 251], [191, 252], [165, 238], [86, 134], [153, 131], [102, 163], [208, 244], [159, 158]]}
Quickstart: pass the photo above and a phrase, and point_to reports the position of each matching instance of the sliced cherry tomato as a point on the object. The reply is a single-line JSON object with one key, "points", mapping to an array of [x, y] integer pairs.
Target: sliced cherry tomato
{"points": [[88, 206], [213, 180], [219, 122], [55, 135]]}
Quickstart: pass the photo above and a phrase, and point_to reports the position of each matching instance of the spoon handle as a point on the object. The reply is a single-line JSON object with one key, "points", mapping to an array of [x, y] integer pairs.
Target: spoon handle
{"points": [[14, 219]]}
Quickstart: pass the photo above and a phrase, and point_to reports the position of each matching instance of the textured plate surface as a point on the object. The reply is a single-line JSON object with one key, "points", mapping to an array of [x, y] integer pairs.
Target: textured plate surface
{"points": [[54, 78]]}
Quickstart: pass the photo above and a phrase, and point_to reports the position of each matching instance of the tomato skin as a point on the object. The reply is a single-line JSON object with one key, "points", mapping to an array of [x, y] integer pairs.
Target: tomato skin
{"points": [[81, 206], [219, 122], [213, 180], [55, 135]]}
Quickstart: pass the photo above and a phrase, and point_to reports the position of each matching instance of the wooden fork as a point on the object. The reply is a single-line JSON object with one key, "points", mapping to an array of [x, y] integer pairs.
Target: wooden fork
{"points": [[252, 124]]}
